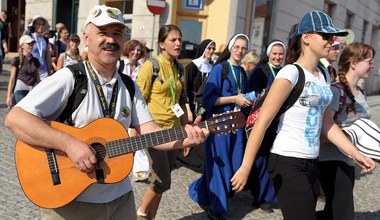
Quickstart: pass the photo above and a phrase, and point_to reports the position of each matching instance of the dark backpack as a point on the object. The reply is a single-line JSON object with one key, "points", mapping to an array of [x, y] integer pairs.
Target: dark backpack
{"points": [[80, 89], [271, 132], [342, 96]]}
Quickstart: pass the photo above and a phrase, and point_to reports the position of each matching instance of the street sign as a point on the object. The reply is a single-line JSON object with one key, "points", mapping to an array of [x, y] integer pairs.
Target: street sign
{"points": [[156, 6], [193, 4]]}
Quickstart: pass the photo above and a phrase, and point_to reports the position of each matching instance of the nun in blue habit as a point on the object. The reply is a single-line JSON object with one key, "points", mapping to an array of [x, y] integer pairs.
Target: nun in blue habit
{"points": [[223, 152]]}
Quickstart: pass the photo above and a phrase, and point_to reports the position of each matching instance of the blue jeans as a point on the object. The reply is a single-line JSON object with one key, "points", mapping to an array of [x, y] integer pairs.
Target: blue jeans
{"points": [[20, 94]]}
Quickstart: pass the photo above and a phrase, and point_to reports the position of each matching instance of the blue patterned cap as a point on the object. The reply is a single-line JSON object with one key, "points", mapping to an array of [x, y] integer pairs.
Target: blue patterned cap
{"points": [[317, 22]]}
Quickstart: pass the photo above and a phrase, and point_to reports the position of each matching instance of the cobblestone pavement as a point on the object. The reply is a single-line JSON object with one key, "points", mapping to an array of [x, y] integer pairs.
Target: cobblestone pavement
{"points": [[175, 203]]}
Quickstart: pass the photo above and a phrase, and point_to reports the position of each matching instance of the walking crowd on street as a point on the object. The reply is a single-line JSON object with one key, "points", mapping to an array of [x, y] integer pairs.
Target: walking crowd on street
{"points": [[119, 98]]}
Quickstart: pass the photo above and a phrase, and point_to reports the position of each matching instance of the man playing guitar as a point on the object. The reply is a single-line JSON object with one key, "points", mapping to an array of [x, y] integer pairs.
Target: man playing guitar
{"points": [[107, 96]]}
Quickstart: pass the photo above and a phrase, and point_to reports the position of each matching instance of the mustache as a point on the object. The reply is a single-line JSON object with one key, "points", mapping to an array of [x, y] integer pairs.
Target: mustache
{"points": [[110, 46]]}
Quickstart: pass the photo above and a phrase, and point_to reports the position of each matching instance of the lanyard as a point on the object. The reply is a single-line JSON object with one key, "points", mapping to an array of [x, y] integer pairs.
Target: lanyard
{"points": [[108, 112], [172, 85], [271, 69], [39, 45], [233, 73]]}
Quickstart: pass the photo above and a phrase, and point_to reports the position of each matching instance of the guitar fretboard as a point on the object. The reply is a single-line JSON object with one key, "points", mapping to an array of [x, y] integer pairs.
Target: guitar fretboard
{"points": [[135, 143]]}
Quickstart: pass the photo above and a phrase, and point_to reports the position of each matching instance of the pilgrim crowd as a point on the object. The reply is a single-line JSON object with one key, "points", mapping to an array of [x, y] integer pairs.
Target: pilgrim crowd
{"points": [[312, 155]]}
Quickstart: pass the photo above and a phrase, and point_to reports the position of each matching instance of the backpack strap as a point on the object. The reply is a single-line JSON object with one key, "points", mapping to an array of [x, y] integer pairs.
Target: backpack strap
{"points": [[78, 94], [156, 75], [296, 91], [156, 70], [225, 75], [342, 97], [127, 80]]}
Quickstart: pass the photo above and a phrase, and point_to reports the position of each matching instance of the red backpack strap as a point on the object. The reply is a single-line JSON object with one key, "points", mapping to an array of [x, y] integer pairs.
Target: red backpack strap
{"points": [[342, 97]]}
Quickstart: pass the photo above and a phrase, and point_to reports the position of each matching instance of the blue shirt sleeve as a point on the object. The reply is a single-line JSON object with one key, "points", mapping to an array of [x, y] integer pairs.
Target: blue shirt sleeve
{"points": [[213, 87]]}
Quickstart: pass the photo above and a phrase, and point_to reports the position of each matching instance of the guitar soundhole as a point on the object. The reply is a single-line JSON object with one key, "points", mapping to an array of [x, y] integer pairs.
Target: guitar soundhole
{"points": [[101, 152]]}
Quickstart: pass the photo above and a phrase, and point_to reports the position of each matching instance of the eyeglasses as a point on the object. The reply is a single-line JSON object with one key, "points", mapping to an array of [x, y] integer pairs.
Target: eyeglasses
{"points": [[326, 36], [211, 48], [240, 48]]}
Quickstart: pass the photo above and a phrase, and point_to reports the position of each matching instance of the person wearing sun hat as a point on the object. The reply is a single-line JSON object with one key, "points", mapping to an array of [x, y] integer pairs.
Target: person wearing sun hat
{"points": [[41, 51], [293, 162], [107, 96]]}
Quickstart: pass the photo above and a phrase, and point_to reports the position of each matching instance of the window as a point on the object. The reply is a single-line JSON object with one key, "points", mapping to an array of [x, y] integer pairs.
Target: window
{"points": [[329, 8], [349, 19], [191, 37], [364, 30], [262, 21]]}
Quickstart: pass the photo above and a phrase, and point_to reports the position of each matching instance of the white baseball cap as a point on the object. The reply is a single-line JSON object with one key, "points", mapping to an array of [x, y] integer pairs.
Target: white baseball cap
{"points": [[25, 39], [101, 15]]}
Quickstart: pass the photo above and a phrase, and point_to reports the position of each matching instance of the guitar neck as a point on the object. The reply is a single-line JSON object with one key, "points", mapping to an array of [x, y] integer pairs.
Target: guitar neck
{"points": [[135, 143]]}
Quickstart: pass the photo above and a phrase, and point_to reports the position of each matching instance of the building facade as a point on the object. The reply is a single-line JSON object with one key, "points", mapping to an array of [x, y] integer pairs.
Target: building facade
{"points": [[261, 20]]}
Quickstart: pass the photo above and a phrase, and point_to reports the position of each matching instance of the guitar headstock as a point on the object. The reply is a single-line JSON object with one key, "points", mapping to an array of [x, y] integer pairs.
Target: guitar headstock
{"points": [[226, 122]]}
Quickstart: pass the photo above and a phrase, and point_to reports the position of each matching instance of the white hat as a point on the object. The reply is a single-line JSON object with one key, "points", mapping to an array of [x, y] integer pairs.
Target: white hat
{"points": [[25, 39], [365, 135], [338, 42], [38, 17], [101, 15]]}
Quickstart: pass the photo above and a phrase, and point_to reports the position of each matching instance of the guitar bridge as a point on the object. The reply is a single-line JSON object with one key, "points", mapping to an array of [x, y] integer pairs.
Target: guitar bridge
{"points": [[53, 166]]}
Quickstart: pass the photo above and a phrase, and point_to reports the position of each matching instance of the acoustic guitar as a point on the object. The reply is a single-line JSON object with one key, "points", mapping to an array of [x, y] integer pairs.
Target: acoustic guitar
{"points": [[50, 179]]}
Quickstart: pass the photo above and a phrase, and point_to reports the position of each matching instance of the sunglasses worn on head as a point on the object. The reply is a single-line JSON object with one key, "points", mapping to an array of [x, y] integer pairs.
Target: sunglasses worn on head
{"points": [[326, 36]]}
